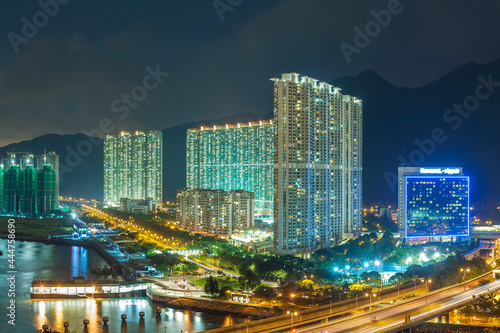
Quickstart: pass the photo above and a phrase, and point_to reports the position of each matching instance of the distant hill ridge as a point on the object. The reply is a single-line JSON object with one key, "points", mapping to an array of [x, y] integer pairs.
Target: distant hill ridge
{"points": [[398, 125]]}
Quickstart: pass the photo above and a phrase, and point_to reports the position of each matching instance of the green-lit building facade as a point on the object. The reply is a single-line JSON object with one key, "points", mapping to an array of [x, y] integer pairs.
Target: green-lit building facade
{"points": [[133, 166], [233, 157], [29, 184]]}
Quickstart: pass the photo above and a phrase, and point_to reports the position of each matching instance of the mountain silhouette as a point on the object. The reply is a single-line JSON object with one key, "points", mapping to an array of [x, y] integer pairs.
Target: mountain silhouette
{"points": [[398, 129]]}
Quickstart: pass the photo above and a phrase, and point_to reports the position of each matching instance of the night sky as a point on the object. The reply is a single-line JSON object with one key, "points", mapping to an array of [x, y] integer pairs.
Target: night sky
{"points": [[66, 76]]}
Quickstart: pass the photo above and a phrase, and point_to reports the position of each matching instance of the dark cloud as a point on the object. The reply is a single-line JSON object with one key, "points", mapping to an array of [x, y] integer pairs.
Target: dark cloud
{"points": [[91, 52]]}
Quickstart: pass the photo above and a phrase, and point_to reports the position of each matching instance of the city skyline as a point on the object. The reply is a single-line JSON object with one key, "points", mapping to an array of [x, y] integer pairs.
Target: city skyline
{"points": [[229, 166], [381, 175]]}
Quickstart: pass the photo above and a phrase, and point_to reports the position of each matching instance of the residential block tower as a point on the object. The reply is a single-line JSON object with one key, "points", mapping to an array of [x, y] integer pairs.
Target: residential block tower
{"points": [[233, 157], [29, 184], [133, 166], [317, 164], [215, 212]]}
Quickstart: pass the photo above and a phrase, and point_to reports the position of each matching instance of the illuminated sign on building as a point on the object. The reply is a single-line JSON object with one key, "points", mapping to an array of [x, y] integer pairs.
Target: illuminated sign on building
{"points": [[436, 171]]}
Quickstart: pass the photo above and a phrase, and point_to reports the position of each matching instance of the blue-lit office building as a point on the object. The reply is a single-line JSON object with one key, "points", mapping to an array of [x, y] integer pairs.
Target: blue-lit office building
{"points": [[433, 204]]}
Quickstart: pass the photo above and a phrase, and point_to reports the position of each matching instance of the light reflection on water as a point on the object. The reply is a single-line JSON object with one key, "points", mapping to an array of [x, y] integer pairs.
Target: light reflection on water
{"points": [[61, 263], [75, 310]]}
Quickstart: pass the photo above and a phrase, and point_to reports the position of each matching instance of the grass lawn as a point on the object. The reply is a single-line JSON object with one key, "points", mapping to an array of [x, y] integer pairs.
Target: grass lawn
{"points": [[222, 281], [211, 265], [131, 247], [138, 246], [120, 238], [34, 227]]}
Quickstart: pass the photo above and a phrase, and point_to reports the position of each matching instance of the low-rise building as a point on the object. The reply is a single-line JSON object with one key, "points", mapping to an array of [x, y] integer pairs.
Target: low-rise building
{"points": [[254, 245], [215, 212], [137, 206]]}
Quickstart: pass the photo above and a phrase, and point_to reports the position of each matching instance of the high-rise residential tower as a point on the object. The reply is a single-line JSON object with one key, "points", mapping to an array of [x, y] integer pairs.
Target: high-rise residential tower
{"points": [[317, 164], [133, 166], [233, 157], [29, 184]]}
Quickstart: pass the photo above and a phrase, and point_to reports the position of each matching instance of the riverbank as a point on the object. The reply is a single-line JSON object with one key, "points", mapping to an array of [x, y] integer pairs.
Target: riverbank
{"points": [[28, 238], [222, 308], [62, 263], [119, 267], [39, 229], [53, 241]]}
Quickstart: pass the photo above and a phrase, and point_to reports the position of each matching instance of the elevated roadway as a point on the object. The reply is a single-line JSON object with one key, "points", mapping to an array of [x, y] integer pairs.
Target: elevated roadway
{"points": [[348, 317], [393, 318]]}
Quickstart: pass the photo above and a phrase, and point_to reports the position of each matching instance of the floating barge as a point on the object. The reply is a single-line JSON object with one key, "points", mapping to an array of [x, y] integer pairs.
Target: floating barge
{"points": [[79, 287]]}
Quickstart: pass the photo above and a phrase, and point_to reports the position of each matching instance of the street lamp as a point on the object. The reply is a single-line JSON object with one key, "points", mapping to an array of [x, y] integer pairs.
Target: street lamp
{"points": [[370, 294], [415, 278], [291, 315], [427, 281], [467, 270]]}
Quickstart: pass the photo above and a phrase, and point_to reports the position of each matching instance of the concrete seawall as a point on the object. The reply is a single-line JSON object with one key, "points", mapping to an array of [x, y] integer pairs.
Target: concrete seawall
{"points": [[159, 297], [221, 307]]}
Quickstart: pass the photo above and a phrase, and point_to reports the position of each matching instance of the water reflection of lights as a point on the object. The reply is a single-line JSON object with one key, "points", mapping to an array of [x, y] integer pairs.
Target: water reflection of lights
{"points": [[142, 303], [91, 304], [228, 321], [56, 312], [169, 313], [123, 303], [41, 309], [59, 311], [41, 318]]}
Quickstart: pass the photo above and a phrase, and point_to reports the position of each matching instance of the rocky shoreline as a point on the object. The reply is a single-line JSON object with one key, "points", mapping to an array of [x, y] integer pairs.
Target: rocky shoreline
{"points": [[222, 308]]}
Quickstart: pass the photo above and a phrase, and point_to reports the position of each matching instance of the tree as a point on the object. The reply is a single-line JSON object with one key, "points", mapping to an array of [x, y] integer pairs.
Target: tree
{"points": [[359, 289], [249, 280], [306, 283], [387, 238], [372, 277], [278, 274], [397, 278], [265, 291], [225, 292], [211, 286]]}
